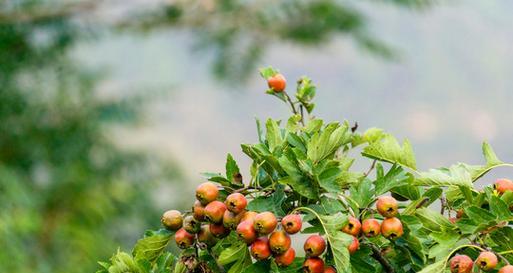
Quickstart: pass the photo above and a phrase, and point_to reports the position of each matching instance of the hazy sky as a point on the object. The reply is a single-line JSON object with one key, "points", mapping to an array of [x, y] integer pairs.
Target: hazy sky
{"points": [[451, 89]]}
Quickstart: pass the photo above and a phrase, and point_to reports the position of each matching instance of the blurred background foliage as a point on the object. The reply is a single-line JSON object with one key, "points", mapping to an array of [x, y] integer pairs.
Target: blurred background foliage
{"points": [[69, 194]]}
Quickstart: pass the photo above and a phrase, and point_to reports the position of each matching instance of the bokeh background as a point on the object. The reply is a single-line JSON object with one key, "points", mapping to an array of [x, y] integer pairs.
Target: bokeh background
{"points": [[110, 110]]}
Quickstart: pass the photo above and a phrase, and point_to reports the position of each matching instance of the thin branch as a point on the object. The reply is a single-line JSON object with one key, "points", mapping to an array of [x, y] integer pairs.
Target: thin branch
{"points": [[301, 110], [443, 204], [376, 254], [289, 100], [371, 168]]}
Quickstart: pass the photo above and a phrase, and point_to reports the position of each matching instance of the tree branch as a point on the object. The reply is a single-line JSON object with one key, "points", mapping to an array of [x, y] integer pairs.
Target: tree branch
{"points": [[376, 254]]}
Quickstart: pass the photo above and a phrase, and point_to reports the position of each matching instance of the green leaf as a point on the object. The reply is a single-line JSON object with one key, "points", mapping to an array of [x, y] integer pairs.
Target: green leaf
{"points": [[432, 220], [324, 144], [268, 72], [232, 169], [122, 262], [295, 267], [446, 241], [499, 208], [305, 93], [438, 267], [296, 179], [337, 240], [216, 177], [456, 175], [362, 193], [271, 203], [394, 178], [233, 253], [388, 149], [152, 245], [273, 135]]}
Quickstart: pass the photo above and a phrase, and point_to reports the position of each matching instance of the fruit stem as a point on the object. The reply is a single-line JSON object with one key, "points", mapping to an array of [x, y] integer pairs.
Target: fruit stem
{"points": [[289, 100]]}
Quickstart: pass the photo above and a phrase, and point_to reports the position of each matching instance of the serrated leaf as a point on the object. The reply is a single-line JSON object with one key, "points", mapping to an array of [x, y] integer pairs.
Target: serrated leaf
{"points": [[432, 220], [455, 175], [362, 193], [324, 144], [437, 267], [232, 254], [394, 178], [273, 135], [152, 245], [271, 203], [388, 149], [232, 169], [295, 267]]}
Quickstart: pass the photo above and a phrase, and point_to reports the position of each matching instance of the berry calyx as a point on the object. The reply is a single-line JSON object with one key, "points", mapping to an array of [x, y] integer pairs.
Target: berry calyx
{"points": [[191, 225], [314, 246], [265, 222], [461, 264], [184, 239], [392, 228], [353, 227], [236, 202], [486, 261], [260, 249], [292, 223], [387, 206], [503, 185], [371, 227], [279, 241], [214, 212]]}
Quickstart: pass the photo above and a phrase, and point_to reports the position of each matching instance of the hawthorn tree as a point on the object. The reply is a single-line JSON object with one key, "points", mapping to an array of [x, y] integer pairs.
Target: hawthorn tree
{"points": [[390, 217]]}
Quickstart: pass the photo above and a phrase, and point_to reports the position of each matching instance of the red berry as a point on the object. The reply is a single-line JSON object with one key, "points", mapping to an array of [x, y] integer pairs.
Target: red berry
{"points": [[314, 246], [236, 202], [287, 258], [313, 265], [292, 223], [277, 83], [206, 193], [353, 227], [260, 249]]}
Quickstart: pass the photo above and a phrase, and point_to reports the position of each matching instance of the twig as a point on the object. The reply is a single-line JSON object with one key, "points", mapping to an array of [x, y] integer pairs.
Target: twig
{"points": [[301, 110], [376, 254], [290, 102], [443, 203], [371, 168]]}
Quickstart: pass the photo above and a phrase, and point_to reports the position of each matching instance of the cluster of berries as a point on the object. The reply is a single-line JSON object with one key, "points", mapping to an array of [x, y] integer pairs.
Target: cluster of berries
{"points": [[486, 261]]}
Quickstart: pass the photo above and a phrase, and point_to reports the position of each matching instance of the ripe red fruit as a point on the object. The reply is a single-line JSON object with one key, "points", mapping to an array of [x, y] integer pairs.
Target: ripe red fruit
{"points": [[191, 225], [330, 269], [461, 264], [507, 269], [218, 230], [292, 223], [354, 246], [265, 222], [286, 258], [236, 202], [387, 206], [172, 219], [246, 231], [183, 238], [453, 220], [279, 241], [460, 213], [392, 228], [260, 249], [214, 212], [206, 193], [313, 265], [371, 227], [503, 185], [486, 261], [314, 246], [198, 211], [249, 216], [205, 236], [277, 82], [231, 220], [353, 227]]}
